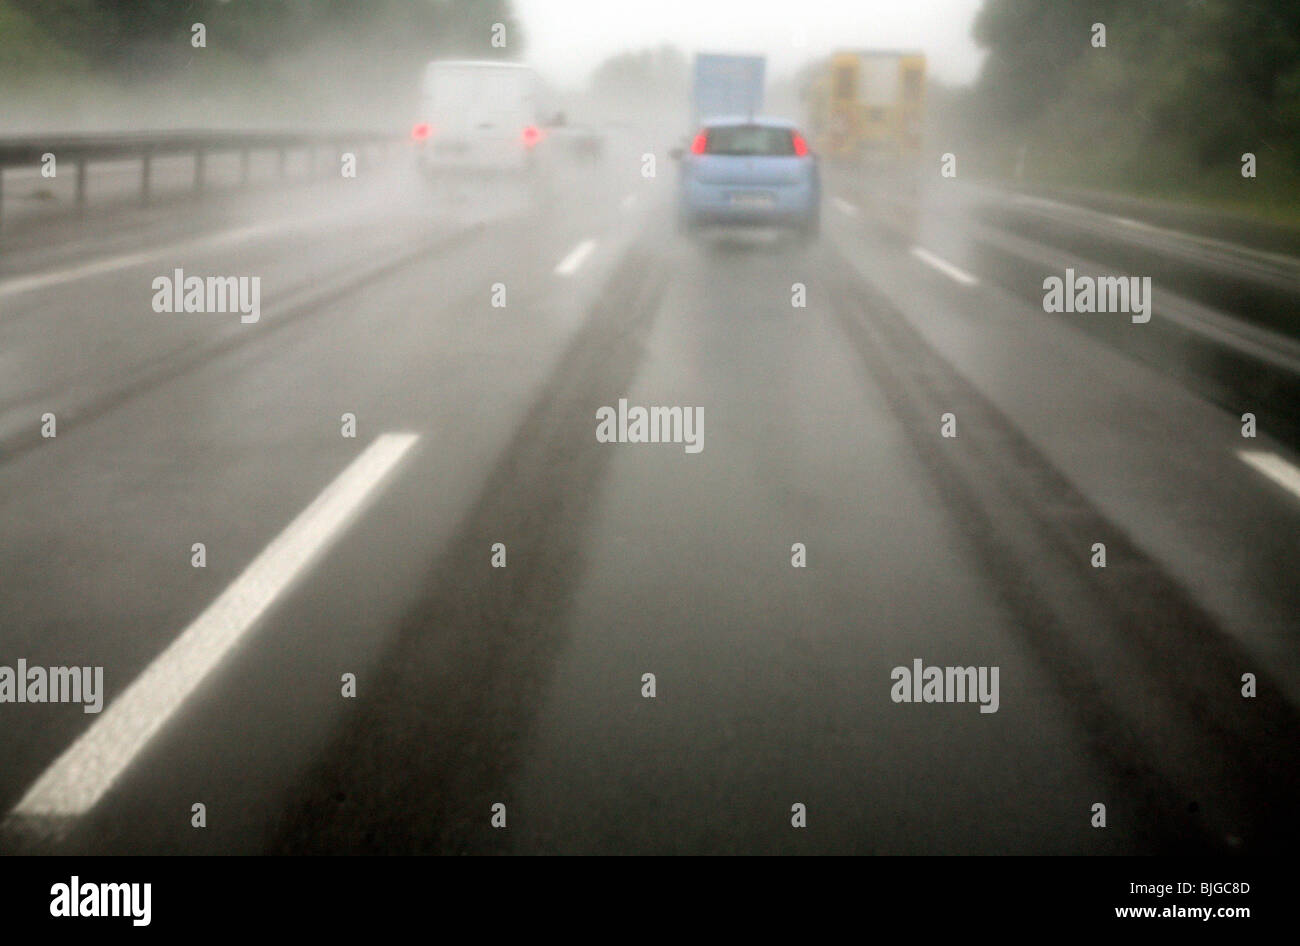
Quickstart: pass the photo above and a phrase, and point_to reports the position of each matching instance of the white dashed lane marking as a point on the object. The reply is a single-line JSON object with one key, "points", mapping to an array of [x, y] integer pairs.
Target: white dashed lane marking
{"points": [[943, 266], [1275, 468], [78, 779], [569, 265], [845, 207]]}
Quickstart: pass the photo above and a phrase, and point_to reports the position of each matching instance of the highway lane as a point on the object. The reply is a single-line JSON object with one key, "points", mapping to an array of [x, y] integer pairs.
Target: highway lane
{"points": [[151, 456], [1223, 309], [1124, 428], [523, 685]]}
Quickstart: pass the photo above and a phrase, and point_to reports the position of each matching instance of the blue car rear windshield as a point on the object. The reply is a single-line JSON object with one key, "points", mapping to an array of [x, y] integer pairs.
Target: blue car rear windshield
{"points": [[749, 140]]}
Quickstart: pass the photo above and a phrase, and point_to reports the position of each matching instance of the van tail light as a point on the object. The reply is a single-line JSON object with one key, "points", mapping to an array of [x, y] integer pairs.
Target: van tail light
{"points": [[800, 146], [700, 144], [532, 135], [422, 132]]}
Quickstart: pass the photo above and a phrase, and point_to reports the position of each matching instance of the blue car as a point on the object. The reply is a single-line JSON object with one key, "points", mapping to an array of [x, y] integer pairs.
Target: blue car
{"points": [[750, 172]]}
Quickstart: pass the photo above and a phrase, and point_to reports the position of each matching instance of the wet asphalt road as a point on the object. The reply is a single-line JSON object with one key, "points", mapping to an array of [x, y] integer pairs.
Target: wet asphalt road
{"points": [[523, 685]]}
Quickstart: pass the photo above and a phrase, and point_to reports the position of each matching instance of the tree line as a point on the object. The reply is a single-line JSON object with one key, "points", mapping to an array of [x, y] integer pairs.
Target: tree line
{"points": [[1150, 87], [140, 38]]}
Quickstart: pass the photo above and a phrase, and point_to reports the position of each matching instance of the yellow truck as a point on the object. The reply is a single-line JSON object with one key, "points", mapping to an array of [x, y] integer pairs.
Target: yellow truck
{"points": [[868, 106]]}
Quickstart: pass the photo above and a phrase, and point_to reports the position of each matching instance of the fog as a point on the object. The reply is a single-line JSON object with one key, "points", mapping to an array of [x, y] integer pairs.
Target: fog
{"points": [[569, 38], [692, 427], [363, 78]]}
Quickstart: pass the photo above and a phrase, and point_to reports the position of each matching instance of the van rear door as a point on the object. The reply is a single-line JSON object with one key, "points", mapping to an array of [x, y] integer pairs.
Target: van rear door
{"points": [[478, 114]]}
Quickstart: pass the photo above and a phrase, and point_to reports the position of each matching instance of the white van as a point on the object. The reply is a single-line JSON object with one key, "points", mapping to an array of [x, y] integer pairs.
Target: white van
{"points": [[477, 116]]}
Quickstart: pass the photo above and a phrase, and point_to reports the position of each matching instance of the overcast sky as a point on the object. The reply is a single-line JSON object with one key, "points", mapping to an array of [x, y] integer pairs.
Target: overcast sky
{"points": [[567, 38]]}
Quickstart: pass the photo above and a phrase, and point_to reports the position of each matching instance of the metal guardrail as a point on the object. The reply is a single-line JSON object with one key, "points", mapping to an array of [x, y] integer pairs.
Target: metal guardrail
{"points": [[30, 150]]}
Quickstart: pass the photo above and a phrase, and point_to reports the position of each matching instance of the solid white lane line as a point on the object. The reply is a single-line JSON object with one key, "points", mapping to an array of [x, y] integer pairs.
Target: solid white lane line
{"points": [[78, 779], [12, 287], [1044, 202], [1274, 467], [20, 284], [845, 207], [569, 265], [1210, 242], [943, 266]]}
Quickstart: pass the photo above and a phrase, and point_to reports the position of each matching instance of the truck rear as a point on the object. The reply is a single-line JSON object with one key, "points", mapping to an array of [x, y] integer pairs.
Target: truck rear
{"points": [[727, 86], [868, 105]]}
